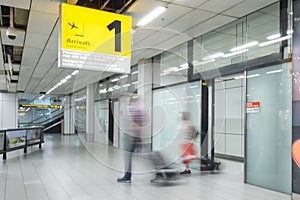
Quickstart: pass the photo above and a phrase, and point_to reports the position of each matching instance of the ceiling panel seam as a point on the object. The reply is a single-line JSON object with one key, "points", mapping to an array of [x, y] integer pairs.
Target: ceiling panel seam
{"points": [[177, 4], [42, 52]]}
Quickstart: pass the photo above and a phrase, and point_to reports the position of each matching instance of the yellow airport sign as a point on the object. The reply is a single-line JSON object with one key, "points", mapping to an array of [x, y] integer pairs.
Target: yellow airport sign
{"points": [[94, 39], [41, 106]]}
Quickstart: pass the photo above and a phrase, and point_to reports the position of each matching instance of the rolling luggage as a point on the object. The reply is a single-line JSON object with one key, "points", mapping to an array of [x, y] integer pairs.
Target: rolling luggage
{"points": [[163, 172]]}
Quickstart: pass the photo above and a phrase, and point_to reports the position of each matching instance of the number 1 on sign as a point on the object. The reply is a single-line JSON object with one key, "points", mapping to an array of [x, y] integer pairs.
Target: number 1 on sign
{"points": [[117, 26]]}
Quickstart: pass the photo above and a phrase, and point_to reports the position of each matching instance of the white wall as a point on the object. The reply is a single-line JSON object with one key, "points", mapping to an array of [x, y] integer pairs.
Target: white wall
{"points": [[8, 110]]}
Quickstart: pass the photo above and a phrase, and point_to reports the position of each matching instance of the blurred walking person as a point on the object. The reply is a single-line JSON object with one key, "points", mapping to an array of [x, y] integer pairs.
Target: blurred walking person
{"points": [[134, 119], [188, 133]]}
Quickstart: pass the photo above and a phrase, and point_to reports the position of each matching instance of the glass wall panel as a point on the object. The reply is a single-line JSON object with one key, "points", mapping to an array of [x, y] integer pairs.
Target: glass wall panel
{"points": [[210, 48], [171, 67], [250, 37], [168, 102], [79, 103], [229, 115], [101, 122], [30, 116], [263, 26], [117, 85], [269, 123]]}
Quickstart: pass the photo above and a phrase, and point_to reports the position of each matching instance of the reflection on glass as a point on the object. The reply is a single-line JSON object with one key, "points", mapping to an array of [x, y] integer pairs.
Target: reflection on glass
{"points": [[171, 67], [168, 103], [33, 135], [250, 37]]}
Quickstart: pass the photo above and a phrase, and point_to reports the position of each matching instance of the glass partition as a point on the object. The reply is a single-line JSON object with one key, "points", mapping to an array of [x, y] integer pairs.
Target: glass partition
{"points": [[33, 135], [117, 85], [209, 49], [269, 122], [253, 36], [171, 66], [229, 115], [168, 103], [263, 26], [101, 121], [20, 138]]}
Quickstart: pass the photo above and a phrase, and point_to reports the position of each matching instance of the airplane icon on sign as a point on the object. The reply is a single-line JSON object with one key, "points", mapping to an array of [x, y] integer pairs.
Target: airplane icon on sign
{"points": [[72, 25], [75, 28]]}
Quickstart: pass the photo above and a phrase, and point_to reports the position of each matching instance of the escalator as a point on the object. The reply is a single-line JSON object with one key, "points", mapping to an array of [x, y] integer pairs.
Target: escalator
{"points": [[52, 123]]}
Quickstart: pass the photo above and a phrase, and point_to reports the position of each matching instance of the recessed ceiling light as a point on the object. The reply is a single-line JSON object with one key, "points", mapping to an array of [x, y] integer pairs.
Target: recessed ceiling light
{"points": [[152, 15]]}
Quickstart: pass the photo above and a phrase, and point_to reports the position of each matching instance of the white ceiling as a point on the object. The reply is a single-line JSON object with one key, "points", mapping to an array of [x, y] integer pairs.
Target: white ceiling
{"points": [[183, 20]]}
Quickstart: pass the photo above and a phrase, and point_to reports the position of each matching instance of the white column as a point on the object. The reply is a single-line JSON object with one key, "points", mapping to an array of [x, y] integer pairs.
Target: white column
{"points": [[9, 110], [68, 119], [90, 94], [145, 91]]}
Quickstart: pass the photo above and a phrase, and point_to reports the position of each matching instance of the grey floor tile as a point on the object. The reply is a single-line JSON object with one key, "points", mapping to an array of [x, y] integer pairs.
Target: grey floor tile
{"points": [[70, 169]]}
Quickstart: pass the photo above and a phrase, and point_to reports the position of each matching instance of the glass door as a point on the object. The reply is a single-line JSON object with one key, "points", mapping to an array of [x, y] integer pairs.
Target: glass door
{"points": [[269, 122]]}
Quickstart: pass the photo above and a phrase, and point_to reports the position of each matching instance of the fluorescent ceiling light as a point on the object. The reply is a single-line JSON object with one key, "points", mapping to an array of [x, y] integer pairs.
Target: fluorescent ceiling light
{"points": [[180, 69], [164, 74], [275, 41], [275, 71], [245, 46], [254, 75], [114, 80], [80, 99], [125, 76], [63, 81], [41, 97], [110, 89], [68, 77], [27, 109], [206, 62], [185, 65], [195, 86], [238, 77], [275, 36], [289, 32], [170, 69], [126, 85], [75, 72], [152, 15], [235, 53], [135, 72], [217, 55], [102, 91]]}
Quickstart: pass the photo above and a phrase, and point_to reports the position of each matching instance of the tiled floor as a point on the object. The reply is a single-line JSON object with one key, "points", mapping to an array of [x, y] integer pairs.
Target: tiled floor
{"points": [[65, 169]]}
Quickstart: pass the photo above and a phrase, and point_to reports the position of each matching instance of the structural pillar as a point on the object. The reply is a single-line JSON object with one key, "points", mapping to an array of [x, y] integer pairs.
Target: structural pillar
{"points": [[68, 118], [90, 114], [145, 94]]}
